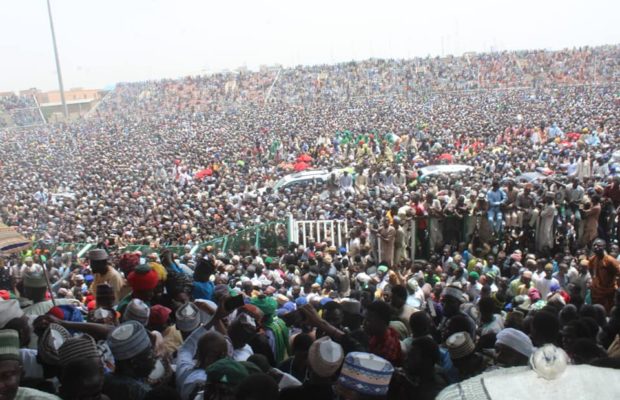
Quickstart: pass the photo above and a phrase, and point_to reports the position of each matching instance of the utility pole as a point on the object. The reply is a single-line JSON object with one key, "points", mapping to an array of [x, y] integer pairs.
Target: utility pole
{"points": [[60, 85]]}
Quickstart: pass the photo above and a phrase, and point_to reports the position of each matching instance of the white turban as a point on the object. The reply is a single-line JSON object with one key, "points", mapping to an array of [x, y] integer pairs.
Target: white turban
{"points": [[413, 285], [9, 309], [516, 340]]}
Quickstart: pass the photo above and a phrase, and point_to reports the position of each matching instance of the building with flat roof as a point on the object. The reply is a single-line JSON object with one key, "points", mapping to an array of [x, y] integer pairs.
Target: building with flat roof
{"points": [[40, 107], [71, 95]]}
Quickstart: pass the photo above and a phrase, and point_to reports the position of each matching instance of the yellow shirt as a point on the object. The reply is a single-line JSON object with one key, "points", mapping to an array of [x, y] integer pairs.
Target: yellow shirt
{"points": [[112, 278], [390, 217], [172, 339]]}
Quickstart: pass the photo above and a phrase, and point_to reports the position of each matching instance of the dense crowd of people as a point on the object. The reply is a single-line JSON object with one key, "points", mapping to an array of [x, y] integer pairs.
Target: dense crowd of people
{"points": [[517, 259], [18, 111], [12, 102]]}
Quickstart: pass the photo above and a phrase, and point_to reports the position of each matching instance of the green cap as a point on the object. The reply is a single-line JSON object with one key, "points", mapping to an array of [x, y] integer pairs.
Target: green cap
{"points": [[226, 371], [9, 345]]}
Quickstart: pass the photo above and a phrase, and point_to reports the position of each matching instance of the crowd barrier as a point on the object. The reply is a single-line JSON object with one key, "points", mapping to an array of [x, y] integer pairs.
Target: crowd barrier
{"points": [[438, 232], [423, 239], [270, 236], [79, 249], [335, 231], [273, 235]]}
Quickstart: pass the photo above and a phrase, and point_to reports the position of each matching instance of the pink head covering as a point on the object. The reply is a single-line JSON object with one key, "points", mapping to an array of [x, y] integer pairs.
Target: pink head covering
{"points": [[534, 294]]}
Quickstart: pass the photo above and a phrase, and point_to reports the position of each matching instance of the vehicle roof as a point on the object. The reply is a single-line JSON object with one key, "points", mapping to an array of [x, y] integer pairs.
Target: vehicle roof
{"points": [[526, 177], [64, 194], [531, 176], [305, 175], [444, 169]]}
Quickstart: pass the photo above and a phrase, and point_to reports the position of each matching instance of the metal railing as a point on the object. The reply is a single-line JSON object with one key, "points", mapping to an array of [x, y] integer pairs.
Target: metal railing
{"points": [[79, 249], [273, 235], [335, 231], [269, 236], [438, 231]]}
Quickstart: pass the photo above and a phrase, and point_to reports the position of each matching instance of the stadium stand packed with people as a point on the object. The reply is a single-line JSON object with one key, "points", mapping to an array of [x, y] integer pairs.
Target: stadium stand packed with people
{"points": [[493, 275], [18, 111]]}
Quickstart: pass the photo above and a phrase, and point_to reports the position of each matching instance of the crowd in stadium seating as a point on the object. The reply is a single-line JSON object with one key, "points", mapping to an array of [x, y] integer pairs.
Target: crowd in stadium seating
{"points": [[519, 255], [124, 160], [18, 111], [13, 101]]}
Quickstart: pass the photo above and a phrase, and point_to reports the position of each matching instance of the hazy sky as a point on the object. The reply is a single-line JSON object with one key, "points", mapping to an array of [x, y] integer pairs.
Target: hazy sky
{"points": [[107, 41]]}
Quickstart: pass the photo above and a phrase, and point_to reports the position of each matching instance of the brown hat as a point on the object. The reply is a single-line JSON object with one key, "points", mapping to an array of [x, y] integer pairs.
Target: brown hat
{"points": [[97, 255]]}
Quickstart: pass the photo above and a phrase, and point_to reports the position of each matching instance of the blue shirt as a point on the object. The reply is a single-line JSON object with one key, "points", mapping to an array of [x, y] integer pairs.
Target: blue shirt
{"points": [[203, 290], [496, 197], [593, 140], [554, 132], [466, 257], [176, 268], [187, 375], [449, 370]]}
